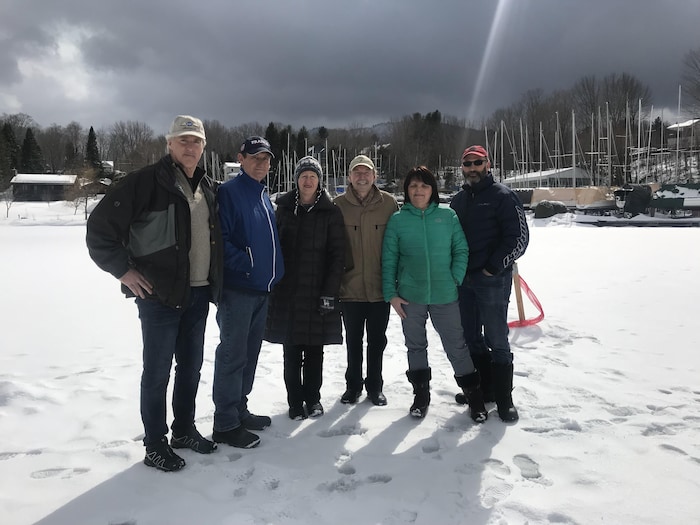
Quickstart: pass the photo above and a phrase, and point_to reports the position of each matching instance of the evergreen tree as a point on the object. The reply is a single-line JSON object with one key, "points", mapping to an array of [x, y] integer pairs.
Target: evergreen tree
{"points": [[302, 143], [32, 161], [92, 154], [273, 137], [9, 155]]}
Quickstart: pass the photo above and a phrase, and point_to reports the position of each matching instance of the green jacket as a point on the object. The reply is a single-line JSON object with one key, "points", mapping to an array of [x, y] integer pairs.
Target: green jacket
{"points": [[424, 256]]}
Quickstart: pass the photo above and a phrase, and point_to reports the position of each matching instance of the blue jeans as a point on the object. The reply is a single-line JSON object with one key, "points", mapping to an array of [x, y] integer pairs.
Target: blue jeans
{"points": [[483, 304], [445, 319], [375, 317], [241, 316], [166, 333]]}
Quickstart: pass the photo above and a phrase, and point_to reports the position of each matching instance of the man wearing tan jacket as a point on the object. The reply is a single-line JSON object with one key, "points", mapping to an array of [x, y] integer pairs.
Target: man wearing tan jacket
{"points": [[366, 211]]}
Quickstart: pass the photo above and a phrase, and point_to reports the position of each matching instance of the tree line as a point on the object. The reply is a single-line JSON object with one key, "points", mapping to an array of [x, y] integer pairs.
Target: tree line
{"points": [[432, 139]]}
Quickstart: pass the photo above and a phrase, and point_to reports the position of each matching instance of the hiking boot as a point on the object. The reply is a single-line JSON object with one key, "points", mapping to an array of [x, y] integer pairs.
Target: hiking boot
{"points": [[162, 457], [238, 437], [350, 397], [192, 439], [297, 413], [420, 379], [315, 410], [253, 422], [377, 398]]}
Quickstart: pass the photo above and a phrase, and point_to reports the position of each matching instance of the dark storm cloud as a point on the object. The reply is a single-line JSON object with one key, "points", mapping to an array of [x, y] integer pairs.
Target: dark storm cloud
{"points": [[334, 63]]}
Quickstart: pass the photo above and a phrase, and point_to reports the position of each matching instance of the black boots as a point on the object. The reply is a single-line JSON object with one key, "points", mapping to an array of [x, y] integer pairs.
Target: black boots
{"points": [[470, 385], [502, 387], [420, 379], [482, 362]]}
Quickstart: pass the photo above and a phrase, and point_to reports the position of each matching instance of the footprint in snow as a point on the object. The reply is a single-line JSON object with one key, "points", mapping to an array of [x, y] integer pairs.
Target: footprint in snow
{"points": [[671, 448], [528, 468], [430, 445], [348, 484], [64, 473], [347, 430]]}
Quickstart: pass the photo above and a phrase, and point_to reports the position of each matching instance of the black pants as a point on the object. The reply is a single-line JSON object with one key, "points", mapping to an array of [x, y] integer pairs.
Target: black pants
{"points": [[303, 374], [375, 318]]}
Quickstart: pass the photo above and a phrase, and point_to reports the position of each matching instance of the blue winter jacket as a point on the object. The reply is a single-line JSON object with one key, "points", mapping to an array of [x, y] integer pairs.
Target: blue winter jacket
{"points": [[252, 253], [424, 255], [494, 223]]}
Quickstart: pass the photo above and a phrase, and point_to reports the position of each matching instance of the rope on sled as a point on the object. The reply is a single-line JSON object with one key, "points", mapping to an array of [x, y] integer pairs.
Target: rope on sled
{"points": [[520, 283]]}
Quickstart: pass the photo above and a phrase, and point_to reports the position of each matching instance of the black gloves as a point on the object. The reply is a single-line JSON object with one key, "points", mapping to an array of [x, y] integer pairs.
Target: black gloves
{"points": [[326, 305]]}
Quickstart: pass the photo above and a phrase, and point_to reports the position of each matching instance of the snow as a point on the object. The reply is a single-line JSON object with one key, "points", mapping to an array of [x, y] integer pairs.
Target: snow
{"points": [[606, 385], [43, 178]]}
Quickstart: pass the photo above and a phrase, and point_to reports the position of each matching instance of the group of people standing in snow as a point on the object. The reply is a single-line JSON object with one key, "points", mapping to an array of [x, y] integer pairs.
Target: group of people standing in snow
{"points": [[297, 275]]}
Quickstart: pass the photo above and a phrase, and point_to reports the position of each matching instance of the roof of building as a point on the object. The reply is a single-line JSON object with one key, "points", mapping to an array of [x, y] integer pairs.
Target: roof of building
{"points": [[43, 178]]}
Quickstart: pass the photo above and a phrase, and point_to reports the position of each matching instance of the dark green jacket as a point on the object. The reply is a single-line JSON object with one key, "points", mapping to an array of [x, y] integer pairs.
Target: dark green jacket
{"points": [[144, 223]]}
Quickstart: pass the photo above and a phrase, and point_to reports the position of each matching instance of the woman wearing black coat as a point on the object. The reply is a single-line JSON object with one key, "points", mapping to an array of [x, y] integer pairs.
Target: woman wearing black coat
{"points": [[303, 314]]}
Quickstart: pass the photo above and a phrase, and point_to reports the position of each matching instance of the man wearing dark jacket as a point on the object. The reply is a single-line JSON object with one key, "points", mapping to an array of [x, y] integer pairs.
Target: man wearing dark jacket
{"points": [[252, 266], [158, 232], [493, 220]]}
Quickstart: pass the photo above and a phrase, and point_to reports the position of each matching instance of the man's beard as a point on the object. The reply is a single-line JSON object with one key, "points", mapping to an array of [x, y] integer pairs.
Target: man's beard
{"points": [[474, 180]]}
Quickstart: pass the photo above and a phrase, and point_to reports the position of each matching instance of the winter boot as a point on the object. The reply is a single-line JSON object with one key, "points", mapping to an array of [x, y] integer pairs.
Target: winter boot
{"points": [[472, 392], [502, 387], [482, 362], [420, 379]]}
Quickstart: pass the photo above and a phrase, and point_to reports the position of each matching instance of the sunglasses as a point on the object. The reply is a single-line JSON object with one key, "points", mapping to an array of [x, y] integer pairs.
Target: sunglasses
{"points": [[468, 163]]}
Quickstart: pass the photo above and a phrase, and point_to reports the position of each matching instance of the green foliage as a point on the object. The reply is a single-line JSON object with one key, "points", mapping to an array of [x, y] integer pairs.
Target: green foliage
{"points": [[273, 137], [92, 154], [32, 161], [302, 143], [9, 155]]}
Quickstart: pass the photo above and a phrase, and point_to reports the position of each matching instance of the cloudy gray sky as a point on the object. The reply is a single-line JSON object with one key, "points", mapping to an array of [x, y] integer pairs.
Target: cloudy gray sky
{"points": [[324, 62]]}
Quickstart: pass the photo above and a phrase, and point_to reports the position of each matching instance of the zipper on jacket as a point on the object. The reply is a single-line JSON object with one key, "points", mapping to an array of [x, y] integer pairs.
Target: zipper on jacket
{"points": [[427, 256]]}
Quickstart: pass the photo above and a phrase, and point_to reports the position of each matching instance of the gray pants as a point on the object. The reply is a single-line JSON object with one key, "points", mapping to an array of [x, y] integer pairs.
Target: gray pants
{"points": [[447, 322]]}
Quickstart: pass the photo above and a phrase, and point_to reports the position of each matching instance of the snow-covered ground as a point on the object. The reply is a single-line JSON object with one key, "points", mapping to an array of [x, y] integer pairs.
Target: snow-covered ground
{"points": [[607, 389]]}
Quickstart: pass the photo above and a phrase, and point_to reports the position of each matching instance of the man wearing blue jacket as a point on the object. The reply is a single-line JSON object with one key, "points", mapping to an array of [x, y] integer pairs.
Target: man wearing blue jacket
{"points": [[252, 265], [494, 224]]}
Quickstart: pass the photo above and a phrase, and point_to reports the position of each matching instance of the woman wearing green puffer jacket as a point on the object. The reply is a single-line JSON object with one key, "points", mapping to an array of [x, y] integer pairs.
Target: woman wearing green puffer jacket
{"points": [[424, 259]]}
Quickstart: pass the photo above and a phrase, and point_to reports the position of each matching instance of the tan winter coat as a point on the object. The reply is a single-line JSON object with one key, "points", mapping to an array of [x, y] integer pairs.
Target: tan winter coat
{"points": [[365, 224]]}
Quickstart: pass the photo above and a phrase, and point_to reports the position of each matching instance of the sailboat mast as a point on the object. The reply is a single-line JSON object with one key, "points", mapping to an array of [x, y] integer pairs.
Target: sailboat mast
{"points": [[678, 135], [573, 148]]}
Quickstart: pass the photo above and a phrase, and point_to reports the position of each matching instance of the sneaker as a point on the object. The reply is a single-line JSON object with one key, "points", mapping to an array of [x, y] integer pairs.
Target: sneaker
{"points": [[238, 437], [315, 410], [253, 422], [192, 439], [350, 397], [297, 413], [377, 398], [162, 457]]}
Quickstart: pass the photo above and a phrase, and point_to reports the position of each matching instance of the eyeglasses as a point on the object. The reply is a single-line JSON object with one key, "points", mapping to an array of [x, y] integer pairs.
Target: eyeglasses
{"points": [[468, 163]]}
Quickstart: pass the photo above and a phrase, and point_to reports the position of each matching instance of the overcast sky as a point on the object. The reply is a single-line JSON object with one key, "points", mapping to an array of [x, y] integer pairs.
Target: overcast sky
{"points": [[325, 62]]}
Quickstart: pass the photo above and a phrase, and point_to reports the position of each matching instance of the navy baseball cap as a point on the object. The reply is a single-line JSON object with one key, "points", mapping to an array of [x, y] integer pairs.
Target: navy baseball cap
{"points": [[255, 144]]}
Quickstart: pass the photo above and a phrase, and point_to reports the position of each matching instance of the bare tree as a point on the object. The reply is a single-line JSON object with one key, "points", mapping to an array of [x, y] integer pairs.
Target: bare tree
{"points": [[19, 122], [691, 78], [586, 96], [52, 141], [8, 198], [130, 144]]}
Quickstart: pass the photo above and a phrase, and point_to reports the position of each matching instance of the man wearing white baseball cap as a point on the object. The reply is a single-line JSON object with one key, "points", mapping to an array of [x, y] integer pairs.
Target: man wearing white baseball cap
{"points": [[158, 233]]}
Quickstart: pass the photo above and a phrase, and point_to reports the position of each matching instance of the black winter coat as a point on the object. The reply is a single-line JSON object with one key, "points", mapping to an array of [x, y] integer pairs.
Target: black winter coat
{"points": [[313, 247], [144, 223], [493, 220]]}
